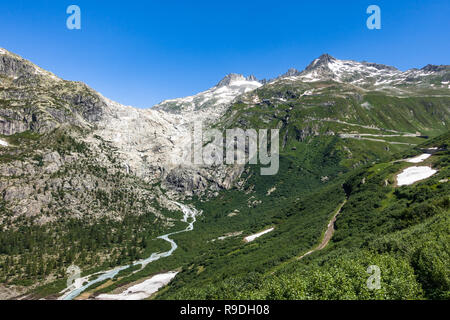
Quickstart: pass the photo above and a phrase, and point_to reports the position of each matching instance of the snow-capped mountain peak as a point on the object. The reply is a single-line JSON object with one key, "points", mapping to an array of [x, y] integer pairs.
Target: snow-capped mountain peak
{"points": [[214, 100], [321, 61], [326, 68], [230, 79], [234, 79]]}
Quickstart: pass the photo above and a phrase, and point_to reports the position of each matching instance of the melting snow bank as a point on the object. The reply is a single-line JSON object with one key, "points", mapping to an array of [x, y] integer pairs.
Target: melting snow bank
{"points": [[419, 158], [413, 174], [257, 235], [142, 290], [81, 284], [3, 143]]}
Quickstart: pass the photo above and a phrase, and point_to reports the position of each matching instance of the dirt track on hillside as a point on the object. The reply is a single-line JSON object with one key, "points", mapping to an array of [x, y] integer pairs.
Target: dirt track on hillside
{"points": [[328, 233]]}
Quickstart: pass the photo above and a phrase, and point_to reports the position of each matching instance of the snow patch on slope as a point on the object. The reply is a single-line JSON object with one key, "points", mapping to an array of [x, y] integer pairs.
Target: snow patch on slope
{"points": [[419, 159], [414, 174], [257, 235], [142, 290]]}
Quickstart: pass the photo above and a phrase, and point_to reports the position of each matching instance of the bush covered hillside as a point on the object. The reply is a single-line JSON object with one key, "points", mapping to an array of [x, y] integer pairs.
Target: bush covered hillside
{"points": [[405, 231]]}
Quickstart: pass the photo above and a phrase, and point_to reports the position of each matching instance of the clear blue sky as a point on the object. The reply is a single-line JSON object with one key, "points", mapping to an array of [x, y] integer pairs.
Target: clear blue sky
{"points": [[142, 52]]}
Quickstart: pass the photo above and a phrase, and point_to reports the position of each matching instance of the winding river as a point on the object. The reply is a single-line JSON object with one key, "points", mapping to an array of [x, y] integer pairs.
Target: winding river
{"points": [[81, 284]]}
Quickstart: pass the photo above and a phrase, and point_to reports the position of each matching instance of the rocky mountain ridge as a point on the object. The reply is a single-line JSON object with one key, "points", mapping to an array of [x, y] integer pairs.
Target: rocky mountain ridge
{"points": [[153, 144], [367, 74]]}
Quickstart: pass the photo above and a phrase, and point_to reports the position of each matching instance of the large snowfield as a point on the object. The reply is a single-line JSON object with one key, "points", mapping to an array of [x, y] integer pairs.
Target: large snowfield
{"points": [[142, 290], [414, 174]]}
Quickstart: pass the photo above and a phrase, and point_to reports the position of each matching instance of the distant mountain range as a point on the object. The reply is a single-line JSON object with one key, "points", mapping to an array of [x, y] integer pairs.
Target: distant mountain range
{"points": [[325, 68]]}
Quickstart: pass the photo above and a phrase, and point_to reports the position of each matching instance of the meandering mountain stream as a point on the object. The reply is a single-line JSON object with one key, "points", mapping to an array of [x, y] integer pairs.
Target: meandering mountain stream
{"points": [[82, 284]]}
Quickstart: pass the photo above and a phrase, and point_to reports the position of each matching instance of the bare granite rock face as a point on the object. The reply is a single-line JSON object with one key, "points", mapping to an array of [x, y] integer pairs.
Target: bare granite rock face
{"points": [[109, 143], [10, 123], [34, 99], [156, 146], [10, 291]]}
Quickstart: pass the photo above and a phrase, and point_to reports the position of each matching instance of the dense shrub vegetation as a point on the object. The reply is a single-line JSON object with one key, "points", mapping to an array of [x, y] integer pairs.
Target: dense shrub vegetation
{"points": [[405, 231]]}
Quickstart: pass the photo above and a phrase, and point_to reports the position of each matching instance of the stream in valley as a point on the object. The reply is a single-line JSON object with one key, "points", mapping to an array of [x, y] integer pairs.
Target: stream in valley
{"points": [[81, 284]]}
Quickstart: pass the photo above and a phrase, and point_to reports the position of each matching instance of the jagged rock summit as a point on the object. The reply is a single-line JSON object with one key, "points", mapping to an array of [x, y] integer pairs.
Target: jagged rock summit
{"points": [[236, 80]]}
